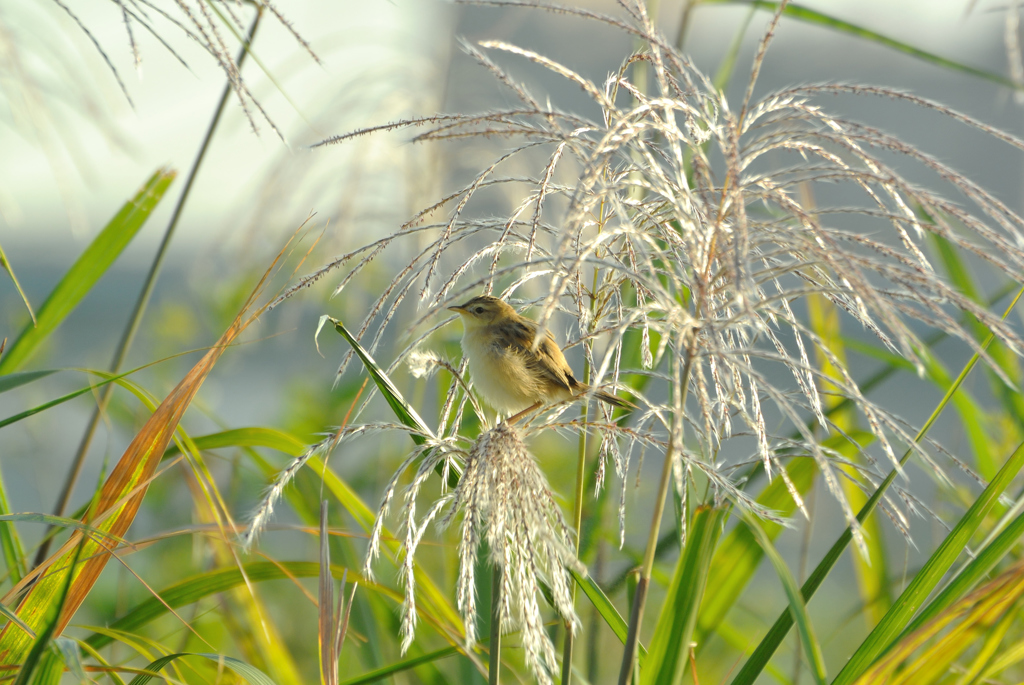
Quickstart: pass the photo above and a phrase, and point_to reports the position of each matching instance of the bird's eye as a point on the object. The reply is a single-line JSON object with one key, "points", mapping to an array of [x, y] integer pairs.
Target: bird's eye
{"points": [[479, 310]]}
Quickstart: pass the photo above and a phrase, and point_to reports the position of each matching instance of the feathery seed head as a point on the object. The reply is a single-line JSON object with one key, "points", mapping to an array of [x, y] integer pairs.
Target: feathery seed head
{"points": [[505, 499]]}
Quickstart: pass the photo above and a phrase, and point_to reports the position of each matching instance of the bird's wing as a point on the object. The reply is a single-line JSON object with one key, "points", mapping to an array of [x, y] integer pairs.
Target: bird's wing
{"points": [[547, 360]]}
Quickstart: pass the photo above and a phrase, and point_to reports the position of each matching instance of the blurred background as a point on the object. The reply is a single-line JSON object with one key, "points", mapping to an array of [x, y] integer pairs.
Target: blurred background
{"points": [[74, 147]]}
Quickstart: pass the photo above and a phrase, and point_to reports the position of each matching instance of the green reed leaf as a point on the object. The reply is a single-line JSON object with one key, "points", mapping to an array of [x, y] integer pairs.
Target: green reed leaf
{"points": [[250, 674], [403, 410], [738, 555], [670, 648], [897, 618], [5, 264], [972, 573], [812, 16], [399, 666], [605, 608], [11, 381], [255, 436], [87, 270], [796, 603]]}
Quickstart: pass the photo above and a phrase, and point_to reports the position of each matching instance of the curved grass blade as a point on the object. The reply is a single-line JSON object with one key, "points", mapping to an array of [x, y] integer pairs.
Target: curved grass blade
{"points": [[207, 584], [812, 16], [738, 555], [964, 403], [49, 627], [796, 603], [59, 400], [669, 651], [972, 573], [13, 617], [871, 568], [978, 611], [255, 436], [403, 665], [250, 674], [10, 542], [106, 379], [403, 410], [766, 648], [88, 269], [63, 522], [925, 580], [605, 609]]}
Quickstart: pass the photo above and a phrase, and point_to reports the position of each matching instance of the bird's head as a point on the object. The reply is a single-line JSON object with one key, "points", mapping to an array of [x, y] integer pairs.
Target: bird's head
{"points": [[483, 311]]}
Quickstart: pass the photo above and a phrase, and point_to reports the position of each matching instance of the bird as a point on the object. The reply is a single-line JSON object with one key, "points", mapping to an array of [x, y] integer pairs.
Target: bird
{"points": [[507, 369]]}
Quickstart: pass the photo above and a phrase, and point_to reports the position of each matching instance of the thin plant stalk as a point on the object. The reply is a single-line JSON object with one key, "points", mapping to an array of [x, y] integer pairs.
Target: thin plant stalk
{"points": [[581, 473], [494, 646], [577, 518], [144, 296], [636, 616]]}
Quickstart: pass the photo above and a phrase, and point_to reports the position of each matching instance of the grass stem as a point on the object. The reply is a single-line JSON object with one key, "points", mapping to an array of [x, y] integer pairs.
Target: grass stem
{"points": [[636, 615], [494, 646], [577, 521]]}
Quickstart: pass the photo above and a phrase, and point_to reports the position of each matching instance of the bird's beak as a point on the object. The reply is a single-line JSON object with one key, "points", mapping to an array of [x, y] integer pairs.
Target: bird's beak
{"points": [[456, 308]]}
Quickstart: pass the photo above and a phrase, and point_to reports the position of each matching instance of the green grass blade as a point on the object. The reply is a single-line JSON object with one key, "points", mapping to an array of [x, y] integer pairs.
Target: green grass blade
{"points": [[62, 522], [738, 555], [605, 609], [13, 617], [256, 436], [403, 410], [197, 587], [120, 379], [971, 574], [10, 542], [962, 626], [796, 602], [11, 381], [897, 618], [669, 651], [91, 265], [399, 666], [811, 16], [1008, 362], [250, 674], [971, 414], [5, 264], [872, 567], [766, 648], [41, 643]]}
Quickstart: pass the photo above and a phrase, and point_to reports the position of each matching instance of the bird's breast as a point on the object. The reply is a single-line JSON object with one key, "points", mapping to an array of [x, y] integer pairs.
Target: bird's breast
{"points": [[499, 374]]}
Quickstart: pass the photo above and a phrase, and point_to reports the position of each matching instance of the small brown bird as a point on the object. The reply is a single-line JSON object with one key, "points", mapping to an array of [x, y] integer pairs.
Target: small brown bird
{"points": [[508, 372]]}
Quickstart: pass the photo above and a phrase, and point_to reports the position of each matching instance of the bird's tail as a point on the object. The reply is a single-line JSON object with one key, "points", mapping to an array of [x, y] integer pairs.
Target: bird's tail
{"points": [[613, 400]]}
